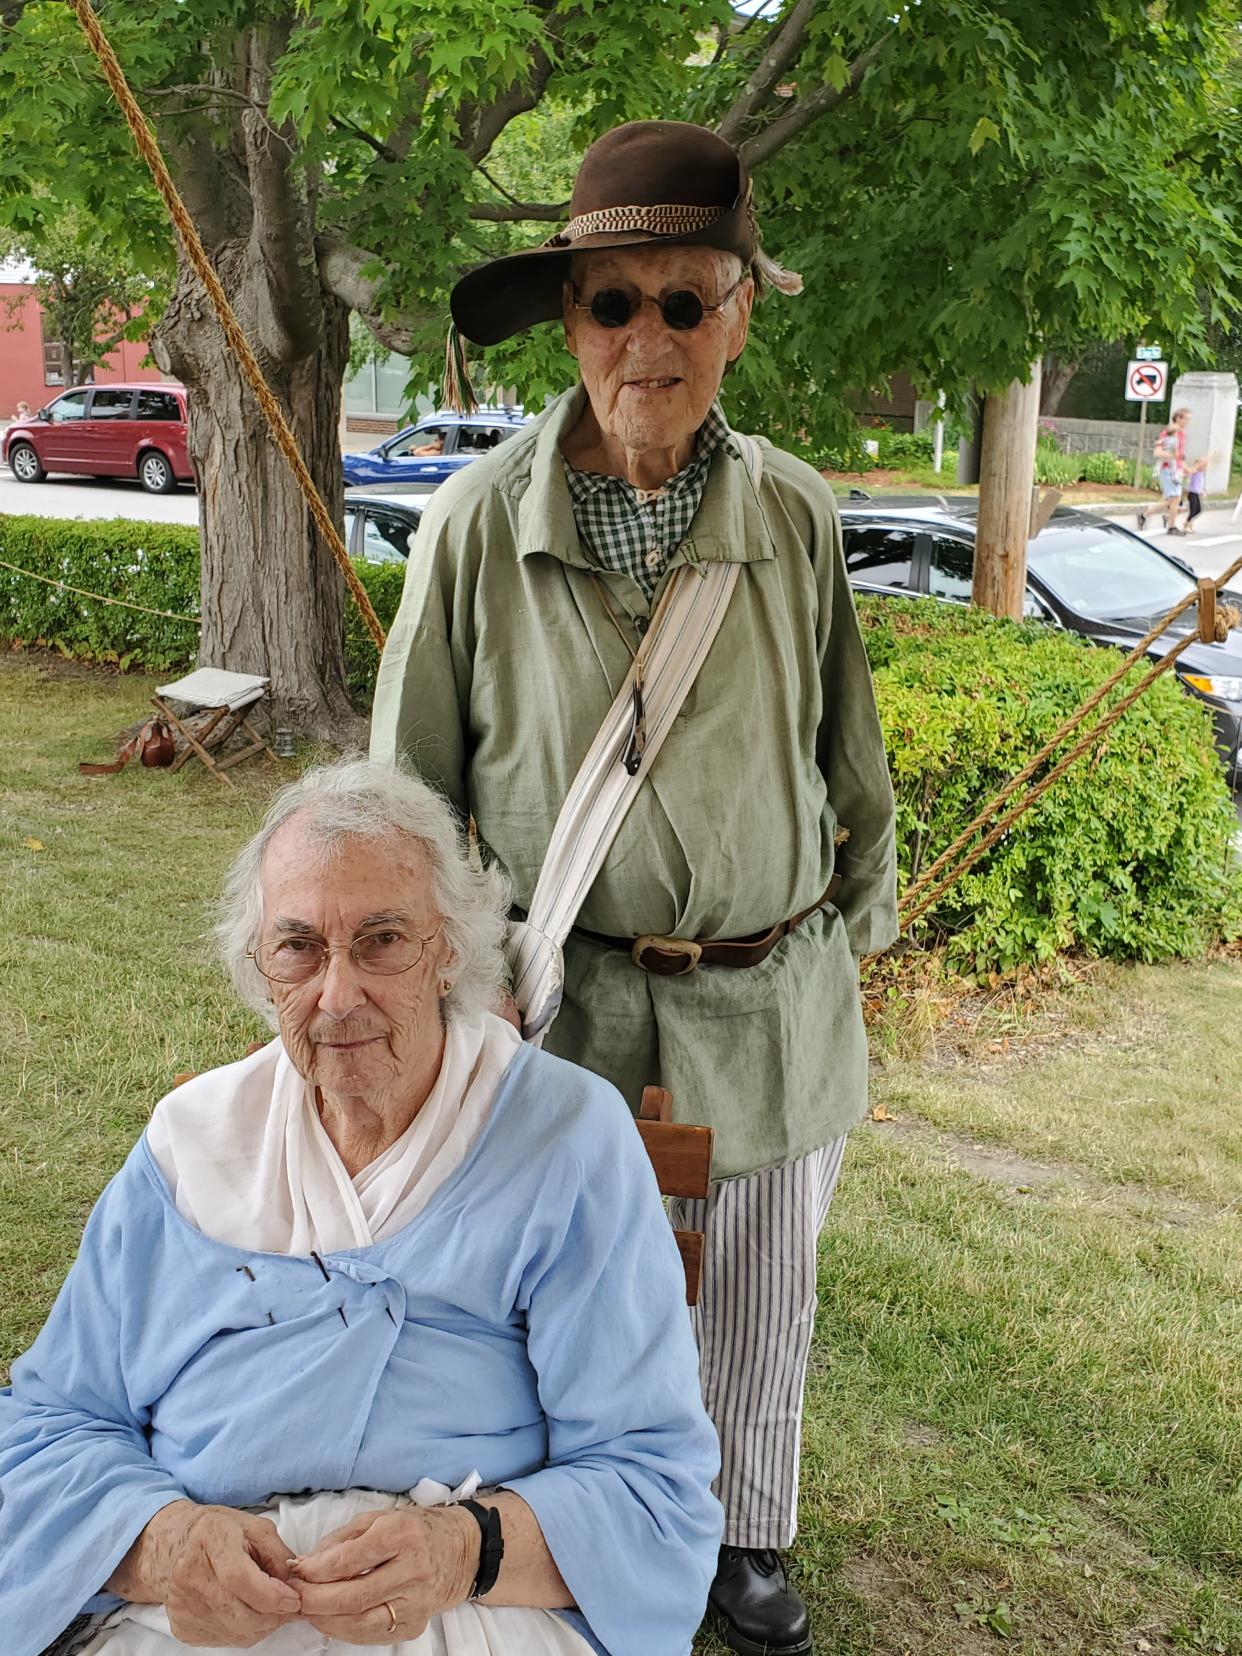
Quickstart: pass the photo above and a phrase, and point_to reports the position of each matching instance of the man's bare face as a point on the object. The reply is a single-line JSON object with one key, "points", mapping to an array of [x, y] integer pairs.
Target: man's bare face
{"points": [[650, 385]]}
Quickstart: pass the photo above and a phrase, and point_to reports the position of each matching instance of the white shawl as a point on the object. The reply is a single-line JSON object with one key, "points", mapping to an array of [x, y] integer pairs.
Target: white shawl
{"points": [[248, 1162]]}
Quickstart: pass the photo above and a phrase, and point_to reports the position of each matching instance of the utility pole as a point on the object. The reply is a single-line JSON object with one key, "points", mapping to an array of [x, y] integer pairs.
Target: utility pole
{"points": [[1006, 484]]}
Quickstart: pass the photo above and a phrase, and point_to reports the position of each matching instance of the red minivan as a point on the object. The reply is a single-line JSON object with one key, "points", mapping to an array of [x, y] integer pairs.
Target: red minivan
{"points": [[106, 431]]}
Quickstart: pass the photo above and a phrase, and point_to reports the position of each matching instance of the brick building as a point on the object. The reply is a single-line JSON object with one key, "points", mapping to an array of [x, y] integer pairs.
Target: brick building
{"points": [[30, 366]]}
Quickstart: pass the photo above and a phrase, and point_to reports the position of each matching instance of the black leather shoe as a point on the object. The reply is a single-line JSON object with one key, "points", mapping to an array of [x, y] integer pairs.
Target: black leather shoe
{"points": [[757, 1612]]}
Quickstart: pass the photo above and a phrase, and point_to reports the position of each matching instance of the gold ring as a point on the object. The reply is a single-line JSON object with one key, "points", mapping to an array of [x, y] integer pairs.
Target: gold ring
{"points": [[392, 1617]]}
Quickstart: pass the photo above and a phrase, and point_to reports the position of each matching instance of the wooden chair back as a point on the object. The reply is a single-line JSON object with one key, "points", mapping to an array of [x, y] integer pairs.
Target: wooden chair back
{"points": [[682, 1158], [680, 1155]]}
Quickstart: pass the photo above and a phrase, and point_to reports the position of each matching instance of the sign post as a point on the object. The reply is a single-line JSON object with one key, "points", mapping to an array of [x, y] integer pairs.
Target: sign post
{"points": [[1138, 458], [1147, 380]]}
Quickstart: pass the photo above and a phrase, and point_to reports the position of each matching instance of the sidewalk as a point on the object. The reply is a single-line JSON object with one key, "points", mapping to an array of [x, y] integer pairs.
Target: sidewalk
{"points": [[1214, 544]]}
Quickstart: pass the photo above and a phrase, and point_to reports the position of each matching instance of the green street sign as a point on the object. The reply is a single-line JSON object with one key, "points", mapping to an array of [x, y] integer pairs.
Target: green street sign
{"points": [[1147, 353]]}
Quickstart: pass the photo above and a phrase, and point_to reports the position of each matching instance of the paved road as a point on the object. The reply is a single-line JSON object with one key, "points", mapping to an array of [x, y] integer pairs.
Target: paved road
{"points": [[95, 497], [1215, 544]]}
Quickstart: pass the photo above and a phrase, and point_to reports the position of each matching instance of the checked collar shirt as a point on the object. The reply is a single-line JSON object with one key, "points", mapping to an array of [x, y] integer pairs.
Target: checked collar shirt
{"points": [[636, 531]]}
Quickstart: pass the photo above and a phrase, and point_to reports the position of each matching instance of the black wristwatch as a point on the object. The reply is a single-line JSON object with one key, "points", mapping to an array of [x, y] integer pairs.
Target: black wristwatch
{"points": [[491, 1547]]}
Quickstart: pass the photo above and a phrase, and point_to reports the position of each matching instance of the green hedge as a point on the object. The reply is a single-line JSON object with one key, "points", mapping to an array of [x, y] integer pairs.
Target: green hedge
{"points": [[1128, 855], [154, 564], [383, 583], [1057, 469], [1106, 467], [910, 450], [905, 448]]}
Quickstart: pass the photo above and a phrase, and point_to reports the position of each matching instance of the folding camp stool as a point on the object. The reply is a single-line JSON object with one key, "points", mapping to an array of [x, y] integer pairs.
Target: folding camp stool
{"points": [[228, 697]]}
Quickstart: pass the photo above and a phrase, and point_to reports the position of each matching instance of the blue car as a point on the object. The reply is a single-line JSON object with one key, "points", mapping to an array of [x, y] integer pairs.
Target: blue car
{"points": [[435, 448]]}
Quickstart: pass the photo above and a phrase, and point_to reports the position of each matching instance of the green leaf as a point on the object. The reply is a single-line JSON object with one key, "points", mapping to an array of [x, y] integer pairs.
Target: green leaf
{"points": [[986, 132], [1000, 1620], [837, 72]]}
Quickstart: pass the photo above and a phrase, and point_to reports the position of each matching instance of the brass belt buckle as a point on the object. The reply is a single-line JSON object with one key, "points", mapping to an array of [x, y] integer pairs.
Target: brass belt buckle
{"points": [[683, 946]]}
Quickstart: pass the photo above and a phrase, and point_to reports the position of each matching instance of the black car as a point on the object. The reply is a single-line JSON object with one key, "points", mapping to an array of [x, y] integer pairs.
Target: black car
{"points": [[380, 523], [1083, 573]]}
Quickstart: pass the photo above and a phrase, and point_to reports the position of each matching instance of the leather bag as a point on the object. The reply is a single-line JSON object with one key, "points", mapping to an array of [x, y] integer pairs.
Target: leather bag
{"points": [[153, 744]]}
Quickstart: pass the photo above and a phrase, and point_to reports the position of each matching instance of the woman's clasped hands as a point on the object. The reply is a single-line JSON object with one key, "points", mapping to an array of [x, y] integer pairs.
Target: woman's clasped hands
{"points": [[220, 1573], [226, 1577], [381, 1577]]}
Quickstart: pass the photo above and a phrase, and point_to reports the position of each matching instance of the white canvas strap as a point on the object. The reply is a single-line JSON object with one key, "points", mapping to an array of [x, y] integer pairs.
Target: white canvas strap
{"points": [[683, 630]]}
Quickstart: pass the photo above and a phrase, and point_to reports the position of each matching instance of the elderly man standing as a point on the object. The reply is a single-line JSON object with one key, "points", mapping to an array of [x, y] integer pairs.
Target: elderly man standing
{"points": [[716, 952]]}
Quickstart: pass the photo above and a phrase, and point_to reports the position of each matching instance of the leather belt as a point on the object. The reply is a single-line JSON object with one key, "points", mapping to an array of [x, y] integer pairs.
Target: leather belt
{"points": [[678, 956]]}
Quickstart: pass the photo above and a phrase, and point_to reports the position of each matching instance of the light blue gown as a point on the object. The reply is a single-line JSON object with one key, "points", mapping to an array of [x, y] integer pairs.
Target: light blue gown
{"points": [[529, 1324]]}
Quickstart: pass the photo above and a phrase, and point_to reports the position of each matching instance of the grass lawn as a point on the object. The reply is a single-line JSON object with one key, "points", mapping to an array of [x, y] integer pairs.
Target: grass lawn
{"points": [[1024, 1421]]}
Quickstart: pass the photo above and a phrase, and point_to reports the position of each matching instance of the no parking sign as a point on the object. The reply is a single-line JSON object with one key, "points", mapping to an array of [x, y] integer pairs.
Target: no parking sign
{"points": [[1147, 381]]}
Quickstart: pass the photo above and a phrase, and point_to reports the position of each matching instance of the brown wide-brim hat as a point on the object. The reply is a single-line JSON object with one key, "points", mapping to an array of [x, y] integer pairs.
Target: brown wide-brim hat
{"points": [[648, 181]]}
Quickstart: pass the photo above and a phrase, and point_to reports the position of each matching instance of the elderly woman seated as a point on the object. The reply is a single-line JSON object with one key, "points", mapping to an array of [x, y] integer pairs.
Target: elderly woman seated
{"points": [[392, 1261]]}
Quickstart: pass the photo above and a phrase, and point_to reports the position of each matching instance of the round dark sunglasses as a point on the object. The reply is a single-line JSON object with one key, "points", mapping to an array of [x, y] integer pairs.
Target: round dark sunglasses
{"points": [[682, 310]]}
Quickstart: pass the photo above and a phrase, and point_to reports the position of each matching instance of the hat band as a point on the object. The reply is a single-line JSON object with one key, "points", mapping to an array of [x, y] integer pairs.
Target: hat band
{"points": [[660, 220]]}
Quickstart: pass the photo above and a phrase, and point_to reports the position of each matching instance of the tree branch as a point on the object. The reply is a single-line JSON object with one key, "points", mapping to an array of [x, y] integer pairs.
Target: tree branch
{"points": [[381, 149], [481, 126], [402, 135], [340, 270], [198, 91], [517, 212], [730, 33], [784, 45], [764, 145], [211, 180], [282, 227]]}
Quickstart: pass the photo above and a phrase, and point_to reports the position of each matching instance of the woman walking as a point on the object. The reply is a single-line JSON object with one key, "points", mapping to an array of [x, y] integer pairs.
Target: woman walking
{"points": [[1170, 469]]}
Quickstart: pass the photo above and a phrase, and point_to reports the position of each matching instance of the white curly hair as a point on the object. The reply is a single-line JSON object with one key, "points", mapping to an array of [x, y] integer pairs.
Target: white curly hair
{"points": [[359, 799]]}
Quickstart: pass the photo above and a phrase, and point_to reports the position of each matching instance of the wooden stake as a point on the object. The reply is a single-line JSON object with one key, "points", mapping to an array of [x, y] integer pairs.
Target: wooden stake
{"points": [[1044, 503], [1207, 611]]}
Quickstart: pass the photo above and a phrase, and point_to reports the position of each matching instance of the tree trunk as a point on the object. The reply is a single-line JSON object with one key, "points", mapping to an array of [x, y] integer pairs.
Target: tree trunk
{"points": [[1058, 376], [272, 596], [1006, 484], [971, 443]]}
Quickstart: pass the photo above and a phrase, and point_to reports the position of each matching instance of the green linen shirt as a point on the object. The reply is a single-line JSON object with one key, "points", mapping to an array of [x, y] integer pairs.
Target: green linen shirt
{"points": [[500, 667]]}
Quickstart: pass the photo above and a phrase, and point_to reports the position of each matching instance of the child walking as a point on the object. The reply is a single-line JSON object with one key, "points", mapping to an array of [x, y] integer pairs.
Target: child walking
{"points": [[1196, 486]]}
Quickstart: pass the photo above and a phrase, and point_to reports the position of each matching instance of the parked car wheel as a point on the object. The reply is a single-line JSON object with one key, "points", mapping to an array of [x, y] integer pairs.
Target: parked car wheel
{"points": [[155, 473], [25, 464]]}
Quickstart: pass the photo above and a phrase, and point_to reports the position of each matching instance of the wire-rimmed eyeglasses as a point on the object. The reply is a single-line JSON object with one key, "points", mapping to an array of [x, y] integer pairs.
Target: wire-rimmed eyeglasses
{"points": [[385, 952], [613, 307]]}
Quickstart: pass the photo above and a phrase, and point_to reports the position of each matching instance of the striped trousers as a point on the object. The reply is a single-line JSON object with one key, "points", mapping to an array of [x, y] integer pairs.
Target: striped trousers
{"points": [[753, 1323]]}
